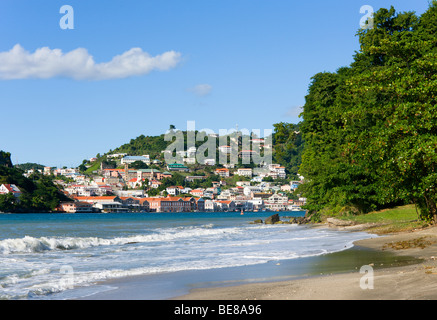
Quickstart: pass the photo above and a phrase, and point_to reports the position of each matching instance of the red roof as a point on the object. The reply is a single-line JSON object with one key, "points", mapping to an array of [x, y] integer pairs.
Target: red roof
{"points": [[12, 188]]}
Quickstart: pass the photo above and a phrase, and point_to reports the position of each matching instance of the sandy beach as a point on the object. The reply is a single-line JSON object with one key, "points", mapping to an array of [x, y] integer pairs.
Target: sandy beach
{"points": [[408, 282]]}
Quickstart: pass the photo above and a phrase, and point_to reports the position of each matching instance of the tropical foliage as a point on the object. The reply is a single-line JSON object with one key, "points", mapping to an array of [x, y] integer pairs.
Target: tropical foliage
{"points": [[371, 129], [39, 194]]}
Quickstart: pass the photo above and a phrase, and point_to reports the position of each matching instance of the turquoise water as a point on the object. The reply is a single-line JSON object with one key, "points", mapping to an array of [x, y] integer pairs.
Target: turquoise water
{"points": [[56, 256]]}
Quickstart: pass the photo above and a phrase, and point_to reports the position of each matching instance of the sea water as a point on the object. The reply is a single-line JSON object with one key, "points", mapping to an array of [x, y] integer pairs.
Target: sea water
{"points": [[58, 256]]}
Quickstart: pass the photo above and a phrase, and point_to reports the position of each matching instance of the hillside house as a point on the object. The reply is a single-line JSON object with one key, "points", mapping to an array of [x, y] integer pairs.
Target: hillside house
{"points": [[245, 172], [222, 172], [131, 159]]}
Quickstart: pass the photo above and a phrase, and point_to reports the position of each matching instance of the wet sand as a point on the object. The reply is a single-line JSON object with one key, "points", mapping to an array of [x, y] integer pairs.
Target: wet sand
{"points": [[409, 273], [413, 278]]}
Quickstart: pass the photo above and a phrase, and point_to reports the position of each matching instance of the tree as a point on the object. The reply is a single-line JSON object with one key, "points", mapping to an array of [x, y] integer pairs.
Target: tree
{"points": [[371, 129], [5, 159], [138, 165], [8, 202], [288, 146], [398, 96]]}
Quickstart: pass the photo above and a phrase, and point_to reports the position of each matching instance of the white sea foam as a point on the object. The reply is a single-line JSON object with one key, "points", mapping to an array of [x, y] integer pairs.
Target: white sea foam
{"points": [[34, 245], [33, 264]]}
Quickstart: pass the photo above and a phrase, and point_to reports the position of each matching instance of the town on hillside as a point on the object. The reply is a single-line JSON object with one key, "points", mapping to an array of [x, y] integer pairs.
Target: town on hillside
{"points": [[171, 187]]}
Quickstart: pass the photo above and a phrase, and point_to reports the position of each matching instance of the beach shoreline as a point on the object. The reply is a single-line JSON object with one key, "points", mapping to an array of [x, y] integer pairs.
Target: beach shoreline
{"points": [[397, 274], [416, 281]]}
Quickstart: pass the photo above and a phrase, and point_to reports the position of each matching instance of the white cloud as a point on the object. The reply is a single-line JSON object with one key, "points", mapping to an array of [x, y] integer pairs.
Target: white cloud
{"points": [[201, 89], [78, 64]]}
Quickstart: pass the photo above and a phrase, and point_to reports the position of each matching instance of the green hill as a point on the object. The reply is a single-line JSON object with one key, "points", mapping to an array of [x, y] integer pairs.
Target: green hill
{"points": [[29, 166], [39, 194], [151, 145], [287, 149]]}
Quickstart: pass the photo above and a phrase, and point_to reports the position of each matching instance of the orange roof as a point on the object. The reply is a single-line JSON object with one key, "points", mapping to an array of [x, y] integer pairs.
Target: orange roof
{"points": [[224, 201], [173, 198], [96, 198]]}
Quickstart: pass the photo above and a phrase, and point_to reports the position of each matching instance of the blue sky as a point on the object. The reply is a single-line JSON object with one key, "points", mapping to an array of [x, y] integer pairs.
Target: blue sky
{"points": [[218, 63]]}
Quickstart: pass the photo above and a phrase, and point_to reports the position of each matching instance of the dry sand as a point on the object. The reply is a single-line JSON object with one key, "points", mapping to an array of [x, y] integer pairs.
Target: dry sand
{"points": [[416, 282]]}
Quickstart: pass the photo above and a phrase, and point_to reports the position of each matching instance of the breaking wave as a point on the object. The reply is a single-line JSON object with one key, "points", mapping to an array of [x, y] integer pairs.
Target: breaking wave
{"points": [[34, 245]]}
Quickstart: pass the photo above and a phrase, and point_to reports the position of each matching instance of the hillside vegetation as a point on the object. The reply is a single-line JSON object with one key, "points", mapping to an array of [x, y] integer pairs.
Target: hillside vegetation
{"points": [[287, 150], [39, 194]]}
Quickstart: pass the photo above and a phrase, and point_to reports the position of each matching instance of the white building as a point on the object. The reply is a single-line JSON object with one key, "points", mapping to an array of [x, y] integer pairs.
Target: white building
{"points": [[257, 203], [116, 155], [245, 172], [243, 183], [66, 172], [250, 190], [210, 205], [277, 202], [130, 193], [132, 159], [173, 191], [277, 171], [110, 207]]}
